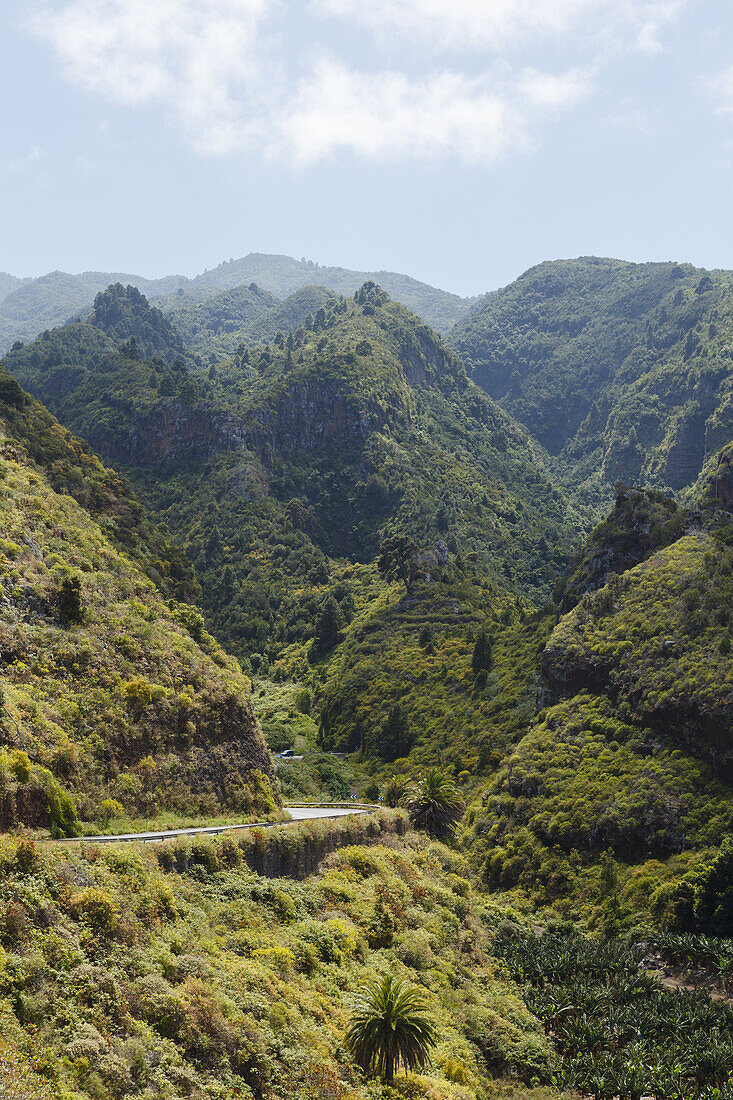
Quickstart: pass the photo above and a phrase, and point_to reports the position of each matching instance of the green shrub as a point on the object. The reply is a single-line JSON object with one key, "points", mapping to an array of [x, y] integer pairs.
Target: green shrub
{"points": [[71, 609], [96, 908], [109, 808]]}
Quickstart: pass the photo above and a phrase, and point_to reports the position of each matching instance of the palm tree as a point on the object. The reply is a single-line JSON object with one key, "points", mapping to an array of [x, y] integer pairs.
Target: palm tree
{"points": [[389, 1026], [394, 790], [434, 803]]}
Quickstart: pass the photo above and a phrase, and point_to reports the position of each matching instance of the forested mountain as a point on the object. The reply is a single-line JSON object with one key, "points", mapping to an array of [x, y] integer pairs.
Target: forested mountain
{"points": [[215, 328], [27, 307], [280, 473], [49, 300], [8, 283], [282, 276], [125, 315], [632, 752], [360, 424], [110, 689], [409, 575], [622, 371]]}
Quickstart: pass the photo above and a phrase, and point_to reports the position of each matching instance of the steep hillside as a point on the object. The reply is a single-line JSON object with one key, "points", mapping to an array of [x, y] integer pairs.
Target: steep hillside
{"points": [[289, 314], [641, 521], [405, 685], [361, 425], [656, 640], [632, 752], [714, 487], [37, 304], [281, 472], [108, 690], [620, 370], [216, 326], [125, 315], [215, 329]]}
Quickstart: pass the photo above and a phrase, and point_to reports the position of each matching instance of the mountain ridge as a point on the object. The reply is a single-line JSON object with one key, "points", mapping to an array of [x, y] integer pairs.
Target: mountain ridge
{"points": [[621, 371], [51, 299]]}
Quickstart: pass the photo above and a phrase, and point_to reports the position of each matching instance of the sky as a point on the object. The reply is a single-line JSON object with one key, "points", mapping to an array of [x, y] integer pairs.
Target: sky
{"points": [[460, 141]]}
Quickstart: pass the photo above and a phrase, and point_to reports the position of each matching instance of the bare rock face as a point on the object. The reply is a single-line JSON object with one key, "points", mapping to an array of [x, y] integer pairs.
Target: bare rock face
{"points": [[309, 414], [167, 435]]}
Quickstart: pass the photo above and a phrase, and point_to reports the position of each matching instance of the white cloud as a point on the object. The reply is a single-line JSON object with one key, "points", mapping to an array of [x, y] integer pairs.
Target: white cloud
{"points": [[205, 61], [217, 69], [32, 154], [386, 116], [720, 89], [554, 90], [495, 25]]}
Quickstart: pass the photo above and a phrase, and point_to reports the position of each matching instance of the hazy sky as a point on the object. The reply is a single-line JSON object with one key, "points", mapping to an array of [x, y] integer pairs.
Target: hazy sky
{"points": [[460, 141]]}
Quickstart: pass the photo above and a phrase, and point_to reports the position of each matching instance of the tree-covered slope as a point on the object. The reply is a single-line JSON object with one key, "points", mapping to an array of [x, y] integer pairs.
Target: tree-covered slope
{"points": [[407, 684], [216, 326], [289, 314], [125, 315], [657, 640], [632, 752], [283, 275], [109, 691], [51, 299], [281, 472], [8, 283], [621, 370], [319, 444]]}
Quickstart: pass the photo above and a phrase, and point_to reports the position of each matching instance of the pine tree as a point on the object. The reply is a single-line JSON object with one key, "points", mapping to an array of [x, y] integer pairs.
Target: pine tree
{"points": [[329, 625], [482, 659]]}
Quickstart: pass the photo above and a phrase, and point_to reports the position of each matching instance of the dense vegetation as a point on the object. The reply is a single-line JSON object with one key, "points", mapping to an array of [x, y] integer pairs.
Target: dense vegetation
{"points": [[391, 559], [181, 972], [620, 370], [216, 328], [620, 1033], [283, 276], [622, 784], [27, 306], [308, 453], [125, 315], [38, 304], [110, 692]]}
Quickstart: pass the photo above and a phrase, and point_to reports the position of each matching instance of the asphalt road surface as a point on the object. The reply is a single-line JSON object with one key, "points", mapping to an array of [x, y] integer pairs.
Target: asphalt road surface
{"points": [[297, 813]]}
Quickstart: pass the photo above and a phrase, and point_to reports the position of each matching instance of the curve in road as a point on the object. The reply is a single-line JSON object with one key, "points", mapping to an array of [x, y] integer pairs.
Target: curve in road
{"points": [[297, 813]]}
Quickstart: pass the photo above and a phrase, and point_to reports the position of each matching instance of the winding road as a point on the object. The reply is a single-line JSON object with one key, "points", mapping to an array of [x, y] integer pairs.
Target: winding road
{"points": [[297, 813]]}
